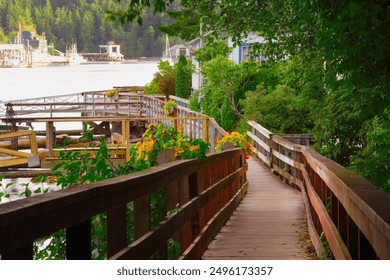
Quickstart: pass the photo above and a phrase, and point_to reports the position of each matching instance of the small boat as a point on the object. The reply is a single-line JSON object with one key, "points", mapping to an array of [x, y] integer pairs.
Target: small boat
{"points": [[73, 57], [167, 54]]}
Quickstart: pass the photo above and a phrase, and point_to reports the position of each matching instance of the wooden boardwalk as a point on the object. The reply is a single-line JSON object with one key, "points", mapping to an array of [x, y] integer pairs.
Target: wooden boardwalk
{"points": [[269, 224]]}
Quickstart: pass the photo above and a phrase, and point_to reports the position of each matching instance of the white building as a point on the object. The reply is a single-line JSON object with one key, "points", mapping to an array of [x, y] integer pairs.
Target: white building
{"points": [[244, 51], [113, 51], [13, 55], [175, 51], [238, 54]]}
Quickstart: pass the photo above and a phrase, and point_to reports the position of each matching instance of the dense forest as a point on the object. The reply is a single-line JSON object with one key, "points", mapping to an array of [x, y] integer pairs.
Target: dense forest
{"points": [[83, 22]]}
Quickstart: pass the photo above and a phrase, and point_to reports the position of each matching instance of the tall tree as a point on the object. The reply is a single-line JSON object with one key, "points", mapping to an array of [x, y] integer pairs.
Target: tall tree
{"points": [[348, 39], [183, 78]]}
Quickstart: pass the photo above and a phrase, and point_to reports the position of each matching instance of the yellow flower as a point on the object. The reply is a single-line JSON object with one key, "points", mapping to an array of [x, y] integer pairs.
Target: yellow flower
{"points": [[180, 150], [193, 148]]}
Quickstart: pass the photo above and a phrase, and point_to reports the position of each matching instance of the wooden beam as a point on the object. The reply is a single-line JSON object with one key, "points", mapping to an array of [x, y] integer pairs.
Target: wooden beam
{"points": [[13, 161], [116, 230], [50, 137]]}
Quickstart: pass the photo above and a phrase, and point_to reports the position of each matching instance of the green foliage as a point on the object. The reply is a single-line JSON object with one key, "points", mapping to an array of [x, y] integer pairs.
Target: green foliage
{"points": [[164, 81], [168, 105], [80, 168], [279, 110], [136, 9], [328, 254], [211, 50], [4, 193], [194, 102], [158, 138], [374, 160], [183, 78], [52, 247], [238, 140], [184, 26], [224, 87], [336, 59], [3, 38]]}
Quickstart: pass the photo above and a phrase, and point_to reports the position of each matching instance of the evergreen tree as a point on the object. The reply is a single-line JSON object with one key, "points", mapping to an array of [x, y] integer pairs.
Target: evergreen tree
{"points": [[183, 78], [84, 22]]}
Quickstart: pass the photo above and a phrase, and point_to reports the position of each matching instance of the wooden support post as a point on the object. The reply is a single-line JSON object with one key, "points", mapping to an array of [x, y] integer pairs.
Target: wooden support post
{"points": [[206, 126], [193, 192], [342, 225], [78, 241], [126, 137], [50, 138], [141, 216], [116, 230], [186, 229], [172, 195], [33, 143]]}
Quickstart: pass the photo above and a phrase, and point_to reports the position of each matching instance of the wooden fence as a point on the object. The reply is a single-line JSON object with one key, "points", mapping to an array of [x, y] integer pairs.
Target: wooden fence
{"points": [[128, 103], [353, 214], [19, 157], [194, 124], [206, 190]]}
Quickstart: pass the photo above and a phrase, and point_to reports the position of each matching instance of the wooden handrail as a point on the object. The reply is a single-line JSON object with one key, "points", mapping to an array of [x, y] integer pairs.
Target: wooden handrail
{"points": [[202, 193], [353, 214], [17, 157]]}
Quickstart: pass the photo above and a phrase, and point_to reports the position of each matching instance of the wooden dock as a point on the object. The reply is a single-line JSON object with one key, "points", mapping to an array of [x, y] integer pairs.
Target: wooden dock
{"points": [[270, 223]]}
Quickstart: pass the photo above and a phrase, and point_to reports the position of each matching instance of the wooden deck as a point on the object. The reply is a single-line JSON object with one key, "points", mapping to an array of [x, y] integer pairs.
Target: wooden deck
{"points": [[270, 223]]}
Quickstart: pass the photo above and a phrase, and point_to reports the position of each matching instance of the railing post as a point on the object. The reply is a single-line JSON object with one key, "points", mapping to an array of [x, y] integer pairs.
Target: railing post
{"points": [[126, 137], [116, 230], [50, 137], [193, 192], [205, 127], [186, 229], [141, 216], [33, 143], [271, 150]]}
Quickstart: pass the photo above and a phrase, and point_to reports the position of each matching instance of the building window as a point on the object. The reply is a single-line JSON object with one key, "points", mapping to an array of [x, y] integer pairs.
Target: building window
{"points": [[183, 51], [246, 53]]}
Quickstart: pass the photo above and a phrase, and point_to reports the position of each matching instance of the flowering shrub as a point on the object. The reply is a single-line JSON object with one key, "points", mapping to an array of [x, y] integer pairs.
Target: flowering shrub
{"points": [[158, 138], [237, 139], [168, 105], [111, 93]]}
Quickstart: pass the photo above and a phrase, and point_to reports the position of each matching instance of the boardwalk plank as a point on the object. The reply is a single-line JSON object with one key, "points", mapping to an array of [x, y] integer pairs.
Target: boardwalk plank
{"points": [[267, 224]]}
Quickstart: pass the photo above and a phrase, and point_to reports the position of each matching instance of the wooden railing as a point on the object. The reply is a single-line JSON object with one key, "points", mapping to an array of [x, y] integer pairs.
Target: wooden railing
{"points": [[353, 214], [19, 157], [130, 102], [194, 124], [207, 192]]}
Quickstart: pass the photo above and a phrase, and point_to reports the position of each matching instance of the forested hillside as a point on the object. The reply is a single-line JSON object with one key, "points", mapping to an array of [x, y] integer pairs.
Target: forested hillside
{"points": [[82, 21]]}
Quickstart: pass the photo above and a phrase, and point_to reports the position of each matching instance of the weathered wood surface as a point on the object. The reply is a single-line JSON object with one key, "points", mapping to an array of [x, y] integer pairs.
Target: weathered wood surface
{"points": [[23, 221], [268, 223], [18, 157], [344, 209]]}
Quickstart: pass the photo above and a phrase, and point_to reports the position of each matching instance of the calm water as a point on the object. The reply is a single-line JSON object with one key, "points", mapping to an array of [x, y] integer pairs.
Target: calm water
{"points": [[20, 83]]}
